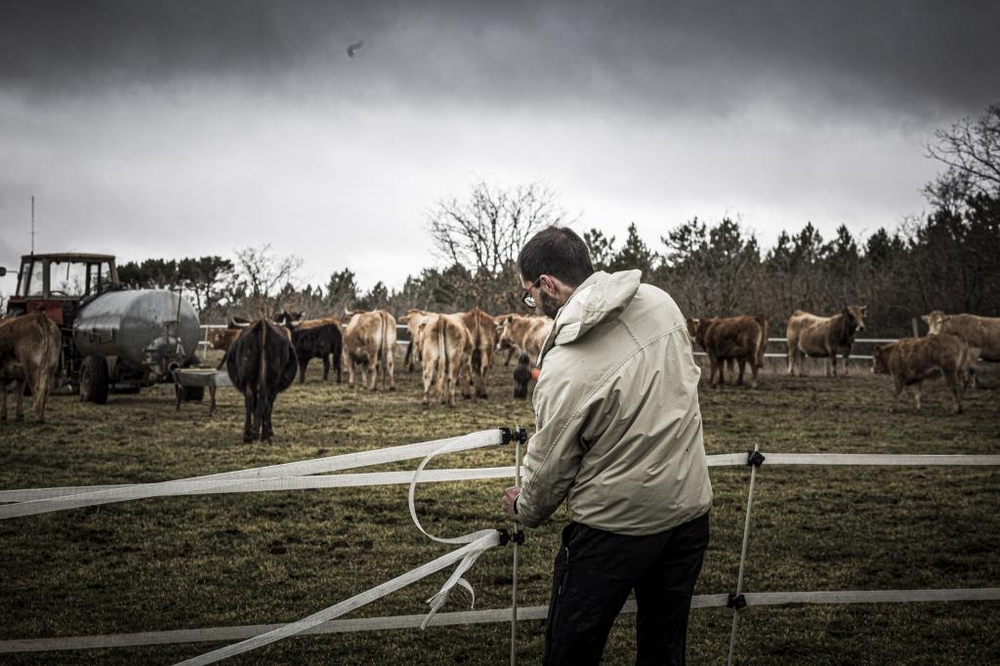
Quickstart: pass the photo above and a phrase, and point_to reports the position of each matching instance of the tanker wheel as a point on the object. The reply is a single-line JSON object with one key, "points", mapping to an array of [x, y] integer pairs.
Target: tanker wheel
{"points": [[94, 383]]}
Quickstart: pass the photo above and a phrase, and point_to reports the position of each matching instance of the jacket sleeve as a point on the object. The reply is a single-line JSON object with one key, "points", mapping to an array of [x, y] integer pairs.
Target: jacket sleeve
{"points": [[554, 452]]}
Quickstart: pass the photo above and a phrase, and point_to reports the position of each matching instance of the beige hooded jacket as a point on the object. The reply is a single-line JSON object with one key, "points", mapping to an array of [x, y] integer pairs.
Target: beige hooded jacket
{"points": [[618, 426]]}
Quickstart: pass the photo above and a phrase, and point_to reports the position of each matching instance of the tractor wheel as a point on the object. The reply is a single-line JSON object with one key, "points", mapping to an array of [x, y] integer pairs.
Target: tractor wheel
{"points": [[94, 383]]}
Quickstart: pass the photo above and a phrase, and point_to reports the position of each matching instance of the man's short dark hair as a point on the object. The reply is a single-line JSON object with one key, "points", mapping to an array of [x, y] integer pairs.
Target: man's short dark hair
{"points": [[556, 251]]}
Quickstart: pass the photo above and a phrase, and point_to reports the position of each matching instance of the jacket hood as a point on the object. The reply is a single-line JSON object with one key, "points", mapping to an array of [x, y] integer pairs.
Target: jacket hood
{"points": [[602, 295]]}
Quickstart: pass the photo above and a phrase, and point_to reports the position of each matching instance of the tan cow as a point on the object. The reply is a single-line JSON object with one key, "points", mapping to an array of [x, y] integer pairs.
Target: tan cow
{"points": [[982, 333], [482, 331], [445, 347], [742, 338], [33, 342], [370, 345], [525, 333], [912, 360], [811, 335], [503, 346]]}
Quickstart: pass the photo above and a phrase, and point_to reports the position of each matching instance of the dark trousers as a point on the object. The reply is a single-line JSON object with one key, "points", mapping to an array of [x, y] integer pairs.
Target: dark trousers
{"points": [[594, 573]]}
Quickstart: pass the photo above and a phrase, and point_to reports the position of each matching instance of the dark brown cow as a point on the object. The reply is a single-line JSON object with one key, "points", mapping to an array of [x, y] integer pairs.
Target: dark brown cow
{"points": [[811, 335], [726, 339], [261, 364], [522, 375], [29, 355], [316, 338], [912, 360], [482, 332], [370, 344]]}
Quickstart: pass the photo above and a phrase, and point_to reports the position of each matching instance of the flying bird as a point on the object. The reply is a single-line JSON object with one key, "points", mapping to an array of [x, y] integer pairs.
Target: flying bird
{"points": [[353, 48]]}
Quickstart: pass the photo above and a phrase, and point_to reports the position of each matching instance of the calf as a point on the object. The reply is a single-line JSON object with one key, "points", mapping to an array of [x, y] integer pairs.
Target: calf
{"points": [[223, 338], [811, 335], [527, 334], [261, 364], [370, 344], [912, 360], [30, 346], [522, 374], [316, 338], [741, 339]]}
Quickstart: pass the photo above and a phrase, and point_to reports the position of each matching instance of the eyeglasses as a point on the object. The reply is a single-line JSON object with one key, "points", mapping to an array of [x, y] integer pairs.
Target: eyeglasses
{"points": [[527, 298]]}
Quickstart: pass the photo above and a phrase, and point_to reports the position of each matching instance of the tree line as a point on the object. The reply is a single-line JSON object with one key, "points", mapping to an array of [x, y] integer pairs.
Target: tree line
{"points": [[948, 260]]}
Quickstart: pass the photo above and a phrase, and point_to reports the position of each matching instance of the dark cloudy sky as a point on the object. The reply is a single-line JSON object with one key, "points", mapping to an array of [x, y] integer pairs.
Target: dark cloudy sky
{"points": [[187, 128]]}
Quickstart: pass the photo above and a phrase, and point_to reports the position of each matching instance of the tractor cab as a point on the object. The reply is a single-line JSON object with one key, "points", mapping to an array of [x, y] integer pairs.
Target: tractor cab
{"points": [[57, 284]]}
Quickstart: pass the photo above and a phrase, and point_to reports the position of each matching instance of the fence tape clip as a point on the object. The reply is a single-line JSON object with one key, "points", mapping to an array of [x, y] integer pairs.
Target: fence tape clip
{"points": [[755, 458], [515, 434], [506, 537], [737, 601]]}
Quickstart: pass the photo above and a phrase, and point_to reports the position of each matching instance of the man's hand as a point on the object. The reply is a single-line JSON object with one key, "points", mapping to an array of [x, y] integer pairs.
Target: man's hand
{"points": [[509, 498]]}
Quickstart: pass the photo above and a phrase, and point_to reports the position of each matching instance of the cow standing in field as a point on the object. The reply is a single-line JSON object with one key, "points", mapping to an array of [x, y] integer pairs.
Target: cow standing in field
{"points": [[912, 360], [30, 346], [482, 332], [370, 344], [526, 334], [315, 338], [981, 333], [811, 335], [261, 364], [445, 352], [726, 339]]}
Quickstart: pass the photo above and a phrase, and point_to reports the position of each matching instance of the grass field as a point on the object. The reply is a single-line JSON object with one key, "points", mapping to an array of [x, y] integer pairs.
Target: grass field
{"points": [[260, 558]]}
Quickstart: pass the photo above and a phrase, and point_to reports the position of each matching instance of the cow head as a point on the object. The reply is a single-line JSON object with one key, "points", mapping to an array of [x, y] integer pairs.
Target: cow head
{"points": [[856, 316], [505, 336], [935, 321], [880, 359]]}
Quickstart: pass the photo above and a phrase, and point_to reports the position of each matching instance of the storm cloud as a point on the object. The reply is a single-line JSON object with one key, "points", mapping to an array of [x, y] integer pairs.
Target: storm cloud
{"points": [[195, 119]]}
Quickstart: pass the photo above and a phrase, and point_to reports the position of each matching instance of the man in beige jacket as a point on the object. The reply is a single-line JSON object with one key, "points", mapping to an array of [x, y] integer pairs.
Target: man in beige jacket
{"points": [[619, 439]]}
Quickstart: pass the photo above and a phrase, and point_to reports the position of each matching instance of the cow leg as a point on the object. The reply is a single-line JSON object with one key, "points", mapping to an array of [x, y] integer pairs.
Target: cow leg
{"points": [[897, 383], [743, 366], [338, 365], [916, 393], [326, 367], [846, 364], [211, 393], [390, 368], [302, 371], [428, 373], [266, 431], [250, 407]]}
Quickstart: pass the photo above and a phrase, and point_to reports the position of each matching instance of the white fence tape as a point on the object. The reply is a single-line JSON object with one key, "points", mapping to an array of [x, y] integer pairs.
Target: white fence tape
{"points": [[290, 476], [230, 480], [489, 616], [476, 543]]}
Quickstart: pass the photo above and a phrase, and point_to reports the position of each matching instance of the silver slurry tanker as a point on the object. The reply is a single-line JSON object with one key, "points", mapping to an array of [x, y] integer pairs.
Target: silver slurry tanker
{"points": [[143, 334], [113, 338]]}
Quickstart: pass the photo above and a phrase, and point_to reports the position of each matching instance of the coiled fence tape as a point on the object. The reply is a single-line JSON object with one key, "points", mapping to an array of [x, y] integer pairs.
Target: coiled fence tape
{"points": [[476, 543]]}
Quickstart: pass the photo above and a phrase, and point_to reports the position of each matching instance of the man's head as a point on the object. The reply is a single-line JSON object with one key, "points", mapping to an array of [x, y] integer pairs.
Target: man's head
{"points": [[552, 265]]}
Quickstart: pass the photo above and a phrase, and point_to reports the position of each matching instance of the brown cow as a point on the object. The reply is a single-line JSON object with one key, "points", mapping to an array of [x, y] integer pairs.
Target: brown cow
{"points": [[811, 335], [742, 338], [912, 360], [982, 333], [527, 334], [522, 375], [445, 352], [370, 345], [482, 331], [32, 342], [223, 338]]}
